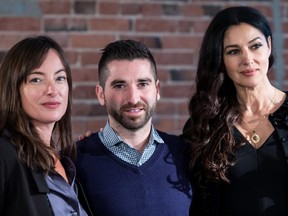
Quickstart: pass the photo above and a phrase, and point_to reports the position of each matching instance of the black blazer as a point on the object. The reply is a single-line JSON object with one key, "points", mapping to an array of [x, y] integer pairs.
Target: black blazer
{"points": [[22, 191]]}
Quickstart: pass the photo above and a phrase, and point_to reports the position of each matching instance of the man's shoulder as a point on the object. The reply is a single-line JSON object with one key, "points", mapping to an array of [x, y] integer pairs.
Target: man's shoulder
{"points": [[165, 135], [173, 141], [175, 145], [88, 142]]}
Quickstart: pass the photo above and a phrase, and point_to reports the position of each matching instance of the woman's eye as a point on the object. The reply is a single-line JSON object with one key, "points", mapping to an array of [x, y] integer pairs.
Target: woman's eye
{"points": [[61, 78], [256, 46], [35, 80], [232, 52]]}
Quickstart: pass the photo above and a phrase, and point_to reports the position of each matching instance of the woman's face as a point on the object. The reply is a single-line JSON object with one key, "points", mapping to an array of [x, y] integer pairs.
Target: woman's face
{"points": [[246, 55], [44, 96]]}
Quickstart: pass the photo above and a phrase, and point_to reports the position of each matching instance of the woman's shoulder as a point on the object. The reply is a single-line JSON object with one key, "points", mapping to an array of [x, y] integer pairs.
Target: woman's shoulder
{"points": [[279, 118], [9, 161], [7, 150], [282, 108]]}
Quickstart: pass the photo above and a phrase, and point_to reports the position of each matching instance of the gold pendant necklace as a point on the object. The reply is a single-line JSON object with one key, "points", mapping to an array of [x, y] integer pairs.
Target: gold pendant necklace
{"points": [[254, 137]]}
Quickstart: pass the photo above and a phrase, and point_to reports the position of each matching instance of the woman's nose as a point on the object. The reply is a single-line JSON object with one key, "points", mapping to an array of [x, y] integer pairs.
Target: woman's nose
{"points": [[51, 88], [248, 58]]}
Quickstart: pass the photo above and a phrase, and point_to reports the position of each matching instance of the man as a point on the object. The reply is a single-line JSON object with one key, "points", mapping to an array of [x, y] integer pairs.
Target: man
{"points": [[129, 168]]}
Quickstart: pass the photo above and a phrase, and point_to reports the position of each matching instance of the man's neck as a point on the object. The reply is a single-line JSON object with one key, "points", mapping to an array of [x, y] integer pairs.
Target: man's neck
{"points": [[136, 139]]}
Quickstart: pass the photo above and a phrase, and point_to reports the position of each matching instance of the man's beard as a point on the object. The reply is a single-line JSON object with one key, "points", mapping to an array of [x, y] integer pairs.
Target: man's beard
{"points": [[132, 123]]}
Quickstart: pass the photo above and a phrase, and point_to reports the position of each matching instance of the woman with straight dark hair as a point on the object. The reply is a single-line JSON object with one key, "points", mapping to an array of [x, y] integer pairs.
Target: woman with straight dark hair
{"points": [[36, 171], [238, 126]]}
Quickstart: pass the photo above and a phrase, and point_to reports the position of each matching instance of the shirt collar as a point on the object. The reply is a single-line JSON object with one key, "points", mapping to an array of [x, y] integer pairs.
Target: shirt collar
{"points": [[111, 138]]}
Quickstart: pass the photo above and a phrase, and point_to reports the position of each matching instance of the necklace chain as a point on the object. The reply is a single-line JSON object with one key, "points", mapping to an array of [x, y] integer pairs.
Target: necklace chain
{"points": [[255, 138]]}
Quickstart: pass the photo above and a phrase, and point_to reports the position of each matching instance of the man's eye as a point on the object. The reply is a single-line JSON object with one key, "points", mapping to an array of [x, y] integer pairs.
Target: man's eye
{"points": [[119, 86], [143, 84]]}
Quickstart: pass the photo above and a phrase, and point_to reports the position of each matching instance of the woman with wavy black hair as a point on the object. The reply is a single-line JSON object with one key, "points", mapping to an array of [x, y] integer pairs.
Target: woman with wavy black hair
{"points": [[238, 124]]}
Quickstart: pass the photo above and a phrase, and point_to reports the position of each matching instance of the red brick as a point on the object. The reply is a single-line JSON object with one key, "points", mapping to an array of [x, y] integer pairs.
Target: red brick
{"points": [[57, 7], [180, 124], [85, 74], [166, 108], [65, 24], [61, 38], [175, 91], [91, 40], [183, 107], [170, 124], [185, 26], [182, 75], [156, 25], [84, 92], [111, 24], [88, 109], [72, 57], [181, 42], [265, 9], [192, 10], [84, 7], [90, 58], [96, 125], [56, 24], [152, 9], [78, 128], [150, 41], [201, 25], [130, 8], [78, 24], [109, 8], [20, 24], [163, 74], [171, 9], [174, 58], [167, 124], [81, 125], [8, 40]]}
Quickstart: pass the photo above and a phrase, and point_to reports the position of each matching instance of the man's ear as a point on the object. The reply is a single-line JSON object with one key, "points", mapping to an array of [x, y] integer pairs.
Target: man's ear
{"points": [[158, 89], [99, 91]]}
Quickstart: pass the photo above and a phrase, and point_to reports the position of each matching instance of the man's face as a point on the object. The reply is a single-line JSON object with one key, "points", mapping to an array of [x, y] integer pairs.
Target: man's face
{"points": [[130, 93]]}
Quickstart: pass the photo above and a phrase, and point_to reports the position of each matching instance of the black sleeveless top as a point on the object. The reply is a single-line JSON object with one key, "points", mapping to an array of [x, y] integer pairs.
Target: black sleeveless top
{"points": [[259, 181]]}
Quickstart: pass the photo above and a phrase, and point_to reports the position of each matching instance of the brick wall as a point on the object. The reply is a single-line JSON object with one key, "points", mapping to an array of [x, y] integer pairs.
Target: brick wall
{"points": [[172, 29]]}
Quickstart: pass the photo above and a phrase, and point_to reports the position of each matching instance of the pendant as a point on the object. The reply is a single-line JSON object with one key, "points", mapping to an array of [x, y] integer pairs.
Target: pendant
{"points": [[255, 137]]}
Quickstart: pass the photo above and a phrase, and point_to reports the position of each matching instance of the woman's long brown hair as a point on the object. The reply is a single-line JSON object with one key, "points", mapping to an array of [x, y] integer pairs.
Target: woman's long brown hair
{"points": [[19, 62]]}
